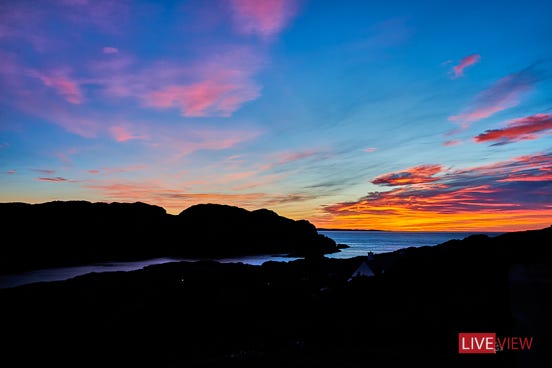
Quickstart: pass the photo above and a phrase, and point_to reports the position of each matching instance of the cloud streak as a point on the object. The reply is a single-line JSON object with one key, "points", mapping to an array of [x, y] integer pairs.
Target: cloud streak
{"points": [[503, 94], [527, 128], [458, 70], [122, 134], [175, 200], [56, 179], [205, 98], [414, 175], [69, 89]]}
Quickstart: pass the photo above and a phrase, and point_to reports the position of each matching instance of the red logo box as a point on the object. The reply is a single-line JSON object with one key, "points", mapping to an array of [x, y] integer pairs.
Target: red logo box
{"points": [[477, 343]]}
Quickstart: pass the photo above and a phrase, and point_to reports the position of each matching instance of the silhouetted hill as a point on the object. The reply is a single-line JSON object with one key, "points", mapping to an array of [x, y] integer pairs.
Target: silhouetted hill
{"points": [[79, 232], [210, 226], [303, 313]]}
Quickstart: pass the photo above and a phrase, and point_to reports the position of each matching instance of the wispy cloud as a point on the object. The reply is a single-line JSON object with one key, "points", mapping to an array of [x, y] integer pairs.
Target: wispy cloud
{"points": [[264, 18], [182, 141], [175, 200], [526, 128], [115, 170], [502, 95], [63, 85], [123, 134], [214, 86], [56, 179], [285, 158], [104, 15], [414, 175], [206, 98], [110, 50], [370, 149], [65, 156], [44, 171], [458, 69], [10, 172], [452, 142]]}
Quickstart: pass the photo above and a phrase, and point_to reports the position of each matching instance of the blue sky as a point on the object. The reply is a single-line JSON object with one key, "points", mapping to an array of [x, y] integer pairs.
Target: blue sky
{"points": [[397, 115]]}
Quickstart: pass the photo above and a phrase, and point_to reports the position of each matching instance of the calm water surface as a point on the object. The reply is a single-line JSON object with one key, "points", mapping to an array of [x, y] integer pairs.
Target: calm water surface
{"points": [[360, 242]]}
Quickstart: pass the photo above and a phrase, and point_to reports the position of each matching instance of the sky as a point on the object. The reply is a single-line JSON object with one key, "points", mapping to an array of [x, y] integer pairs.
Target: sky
{"points": [[394, 115]]}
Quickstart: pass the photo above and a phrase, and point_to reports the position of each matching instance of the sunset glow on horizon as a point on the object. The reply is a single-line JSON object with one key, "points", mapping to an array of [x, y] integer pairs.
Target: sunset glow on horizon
{"points": [[412, 116]]}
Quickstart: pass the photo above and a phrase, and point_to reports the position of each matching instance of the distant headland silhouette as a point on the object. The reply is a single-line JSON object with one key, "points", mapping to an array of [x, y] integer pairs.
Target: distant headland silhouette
{"points": [[64, 233]]}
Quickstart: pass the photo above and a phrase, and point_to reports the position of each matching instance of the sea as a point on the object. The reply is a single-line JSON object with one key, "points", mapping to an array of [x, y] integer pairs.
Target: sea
{"points": [[359, 242]]}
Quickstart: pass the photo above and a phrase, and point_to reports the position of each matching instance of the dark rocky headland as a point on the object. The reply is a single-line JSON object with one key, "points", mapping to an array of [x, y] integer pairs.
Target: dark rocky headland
{"points": [[70, 233], [305, 313]]}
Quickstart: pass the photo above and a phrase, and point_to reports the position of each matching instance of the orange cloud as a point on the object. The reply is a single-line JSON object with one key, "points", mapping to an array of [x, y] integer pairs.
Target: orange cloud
{"points": [[414, 175], [527, 128], [507, 195], [175, 200]]}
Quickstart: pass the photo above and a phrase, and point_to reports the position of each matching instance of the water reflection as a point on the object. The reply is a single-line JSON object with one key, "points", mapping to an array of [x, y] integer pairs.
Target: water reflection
{"points": [[64, 273]]}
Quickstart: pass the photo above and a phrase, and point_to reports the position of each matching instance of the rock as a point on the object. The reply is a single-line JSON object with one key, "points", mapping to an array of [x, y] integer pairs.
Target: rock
{"points": [[79, 232]]}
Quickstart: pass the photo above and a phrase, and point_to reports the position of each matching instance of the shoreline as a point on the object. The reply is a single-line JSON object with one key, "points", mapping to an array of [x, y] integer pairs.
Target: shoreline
{"points": [[309, 312]]}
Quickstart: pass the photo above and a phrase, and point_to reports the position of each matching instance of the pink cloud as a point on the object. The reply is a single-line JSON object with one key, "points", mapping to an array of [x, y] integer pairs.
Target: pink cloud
{"points": [[503, 94], [452, 142], [370, 149], [458, 70], [11, 172], [64, 86], [110, 50], [527, 128], [206, 98], [122, 134], [215, 86], [262, 18]]}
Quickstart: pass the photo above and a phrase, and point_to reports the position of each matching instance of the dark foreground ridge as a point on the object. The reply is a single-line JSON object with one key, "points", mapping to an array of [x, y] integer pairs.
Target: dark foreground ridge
{"points": [[79, 232], [305, 313]]}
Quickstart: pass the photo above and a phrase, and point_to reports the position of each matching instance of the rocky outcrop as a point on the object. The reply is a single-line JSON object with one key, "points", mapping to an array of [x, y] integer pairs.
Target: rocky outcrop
{"points": [[217, 230], [78, 232]]}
